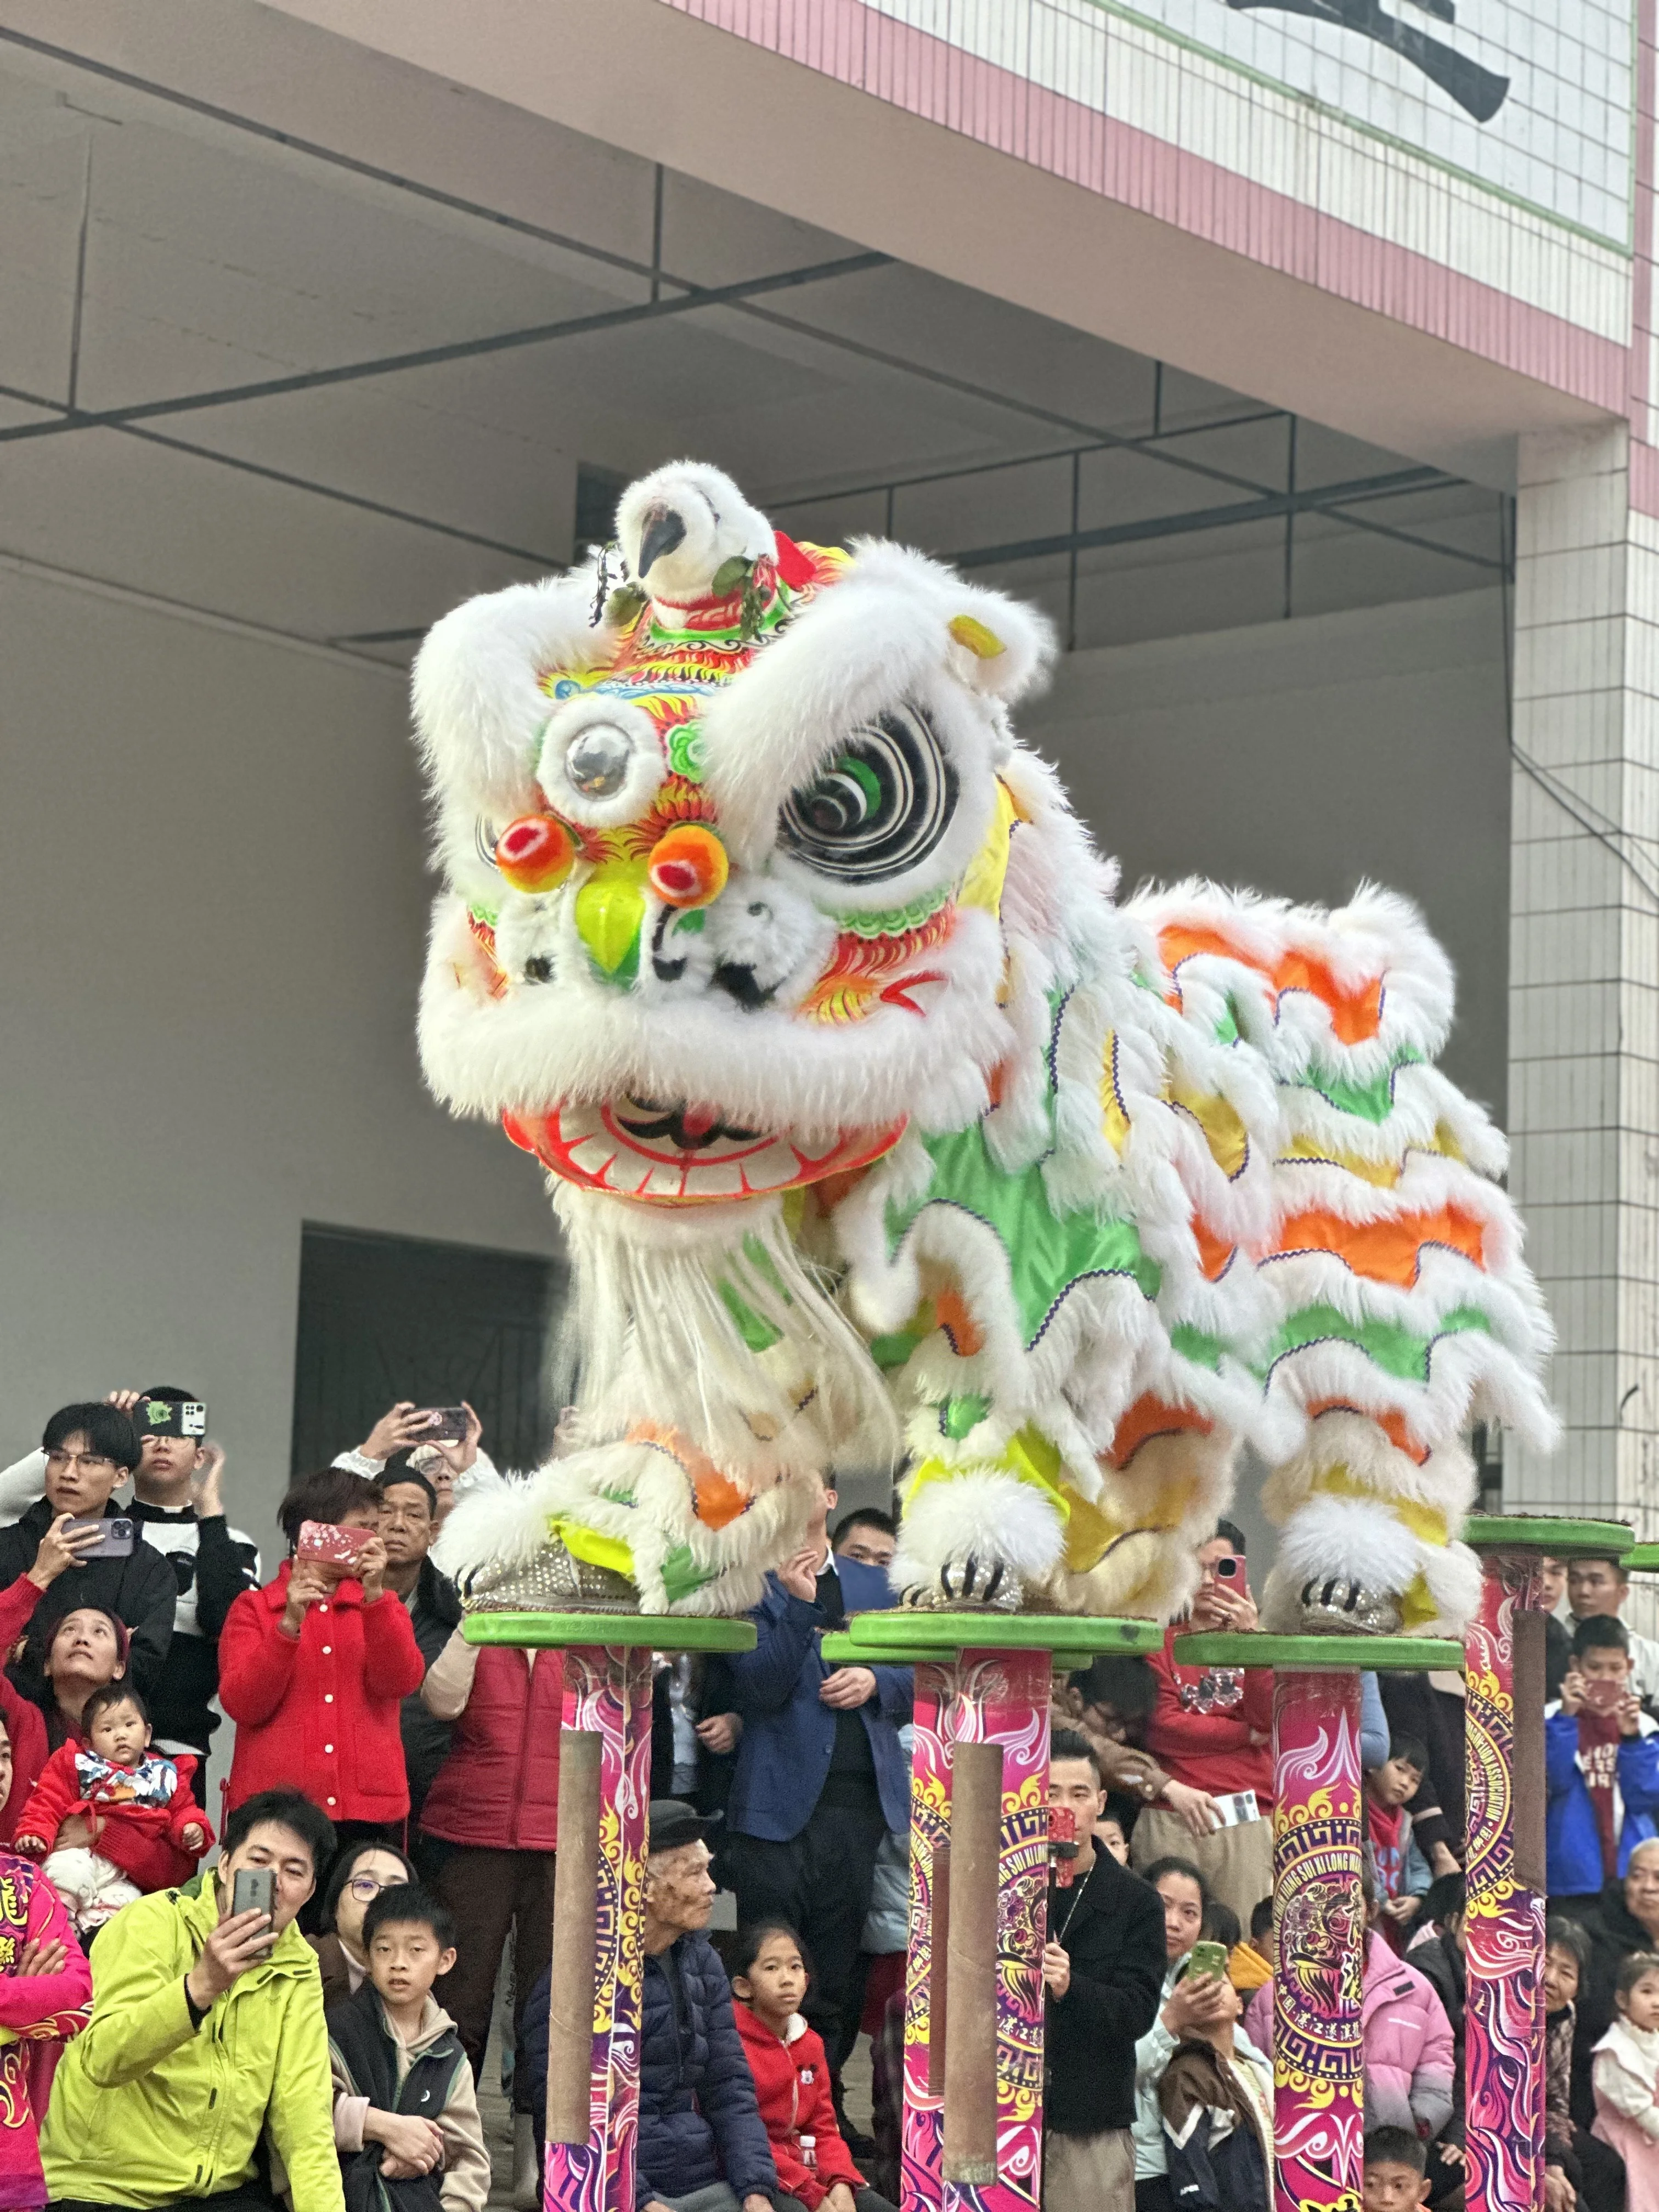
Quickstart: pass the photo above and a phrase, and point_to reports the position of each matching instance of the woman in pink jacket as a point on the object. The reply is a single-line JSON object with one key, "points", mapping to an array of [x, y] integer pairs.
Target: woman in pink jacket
{"points": [[1408, 2038]]}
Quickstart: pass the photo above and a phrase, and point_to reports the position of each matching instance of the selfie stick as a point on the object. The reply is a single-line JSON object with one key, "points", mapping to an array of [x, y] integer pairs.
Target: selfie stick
{"points": [[596, 1990], [972, 2138], [1504, 1771], [1319, 1908]]}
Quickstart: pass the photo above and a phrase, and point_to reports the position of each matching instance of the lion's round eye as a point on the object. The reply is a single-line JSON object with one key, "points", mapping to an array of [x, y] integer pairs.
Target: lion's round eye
{"points": [[880, 806], [597, 761]]}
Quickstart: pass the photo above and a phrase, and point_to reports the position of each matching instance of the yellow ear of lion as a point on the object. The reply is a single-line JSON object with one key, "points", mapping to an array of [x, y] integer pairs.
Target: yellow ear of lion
{"points": [[984, 644]]}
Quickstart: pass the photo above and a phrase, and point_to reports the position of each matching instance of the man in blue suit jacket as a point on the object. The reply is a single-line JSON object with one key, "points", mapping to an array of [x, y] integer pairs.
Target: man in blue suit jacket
{"points": [[821, 1774]]}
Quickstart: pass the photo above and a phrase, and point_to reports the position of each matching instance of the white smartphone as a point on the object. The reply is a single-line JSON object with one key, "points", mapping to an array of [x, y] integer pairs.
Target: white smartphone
{"points": [[1237, 1809]]}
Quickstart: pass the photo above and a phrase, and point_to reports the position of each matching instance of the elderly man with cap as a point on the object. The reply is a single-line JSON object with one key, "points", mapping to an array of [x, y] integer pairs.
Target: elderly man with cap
{"points": [[702, 2144]]}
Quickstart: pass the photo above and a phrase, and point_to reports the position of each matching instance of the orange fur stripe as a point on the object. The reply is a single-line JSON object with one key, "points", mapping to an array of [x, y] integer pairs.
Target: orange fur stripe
{"points": [[716, 1498], [950, 1311], [1385, 1251], [1393, 1425], [1151, 1416], [1214, 1253], [1355, 1014]]}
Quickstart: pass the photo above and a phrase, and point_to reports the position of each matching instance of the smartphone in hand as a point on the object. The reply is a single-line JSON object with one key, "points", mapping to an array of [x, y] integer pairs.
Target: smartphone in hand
{"points": [[116, 1538], [254, 1890], [445, 1424], [1207, 1958], [332, 1546]]}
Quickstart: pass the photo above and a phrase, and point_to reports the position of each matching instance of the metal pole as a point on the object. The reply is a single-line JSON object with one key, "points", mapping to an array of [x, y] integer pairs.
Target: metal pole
{"points": [[1319, 1931], [1071, 572], [1503, 2022]]}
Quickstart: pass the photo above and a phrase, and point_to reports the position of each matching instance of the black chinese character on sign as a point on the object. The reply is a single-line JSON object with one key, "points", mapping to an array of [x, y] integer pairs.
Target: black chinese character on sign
{"points": [[1476, 90]]}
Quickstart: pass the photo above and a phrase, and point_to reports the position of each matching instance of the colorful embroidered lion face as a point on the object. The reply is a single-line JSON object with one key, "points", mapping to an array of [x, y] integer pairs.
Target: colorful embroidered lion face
{"points": [[727, 863]]}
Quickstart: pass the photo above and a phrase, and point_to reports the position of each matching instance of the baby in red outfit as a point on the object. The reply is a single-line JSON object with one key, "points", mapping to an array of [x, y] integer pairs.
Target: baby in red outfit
{"points": [[146, 1831]]}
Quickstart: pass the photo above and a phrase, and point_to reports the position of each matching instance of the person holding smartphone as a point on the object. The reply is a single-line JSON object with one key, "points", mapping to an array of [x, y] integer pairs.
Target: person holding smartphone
{"points": [[206, 2057], [1211, 1730], [314, 1668], [1103, 1974], [74, 1548], [1601, 1767]]}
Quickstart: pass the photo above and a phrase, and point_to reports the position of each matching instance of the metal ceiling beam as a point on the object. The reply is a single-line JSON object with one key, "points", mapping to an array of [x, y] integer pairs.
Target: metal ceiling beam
{"points": [[370, 172], [397, 181], [291, 482], [1152, 446], [316, 380], [1273, 508]]}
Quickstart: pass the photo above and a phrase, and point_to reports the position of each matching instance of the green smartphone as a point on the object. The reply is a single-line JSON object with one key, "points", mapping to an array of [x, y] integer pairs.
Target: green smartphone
{"points": [[1208, 1959]]}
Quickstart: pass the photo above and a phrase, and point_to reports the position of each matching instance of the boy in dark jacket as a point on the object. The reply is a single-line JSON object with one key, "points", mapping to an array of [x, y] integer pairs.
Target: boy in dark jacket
{"points": [[1103, 1971], [1216, 2099], [405, 2114], [702, 2142]]}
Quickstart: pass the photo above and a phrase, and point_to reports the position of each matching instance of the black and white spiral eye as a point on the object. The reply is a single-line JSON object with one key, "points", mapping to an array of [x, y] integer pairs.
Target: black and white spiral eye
{"points": [[880, 806]]}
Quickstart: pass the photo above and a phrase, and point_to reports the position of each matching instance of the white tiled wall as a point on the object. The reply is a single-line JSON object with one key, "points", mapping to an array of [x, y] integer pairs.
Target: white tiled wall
{"points": [[1339, 123], [1584, 966]]}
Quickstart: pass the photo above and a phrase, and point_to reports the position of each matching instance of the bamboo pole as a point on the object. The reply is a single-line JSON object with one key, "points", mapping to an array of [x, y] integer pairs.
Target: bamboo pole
{"points": [[575, 1936], [970, 2051]]}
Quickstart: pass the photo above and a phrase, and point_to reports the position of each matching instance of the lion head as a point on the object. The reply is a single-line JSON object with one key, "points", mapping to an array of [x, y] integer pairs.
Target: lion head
{"points": [[724, 850]]}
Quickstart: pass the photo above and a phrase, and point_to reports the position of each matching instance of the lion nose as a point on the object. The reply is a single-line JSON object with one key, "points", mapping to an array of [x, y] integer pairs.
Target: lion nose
{"points": [[687, 866]]}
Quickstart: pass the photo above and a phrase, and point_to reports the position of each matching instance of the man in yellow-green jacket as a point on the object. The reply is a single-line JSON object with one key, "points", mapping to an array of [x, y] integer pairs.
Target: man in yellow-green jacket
{"points": [[204, 2073]]}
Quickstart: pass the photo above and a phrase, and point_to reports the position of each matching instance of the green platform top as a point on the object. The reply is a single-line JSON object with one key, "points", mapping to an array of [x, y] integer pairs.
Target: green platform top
{"points": [[1562, 1539], [1318, 1655], [841, 1648], [655, 1632], [905, 1636]]}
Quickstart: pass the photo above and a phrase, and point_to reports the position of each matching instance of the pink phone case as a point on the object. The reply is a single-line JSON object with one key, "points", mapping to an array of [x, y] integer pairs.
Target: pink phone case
{"points": [[335, 1546]]}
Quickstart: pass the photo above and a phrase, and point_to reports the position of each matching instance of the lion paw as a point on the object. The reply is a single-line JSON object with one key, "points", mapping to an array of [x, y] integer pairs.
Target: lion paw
{"points": [[968, 1584]]}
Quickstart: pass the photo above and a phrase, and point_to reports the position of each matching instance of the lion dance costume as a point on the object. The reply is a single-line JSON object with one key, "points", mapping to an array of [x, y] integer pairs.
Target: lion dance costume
{"points": [[881, 1133]]}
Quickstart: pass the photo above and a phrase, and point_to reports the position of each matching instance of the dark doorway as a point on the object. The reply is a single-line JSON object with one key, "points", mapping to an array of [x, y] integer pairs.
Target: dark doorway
{"points": [[388, 1317]]}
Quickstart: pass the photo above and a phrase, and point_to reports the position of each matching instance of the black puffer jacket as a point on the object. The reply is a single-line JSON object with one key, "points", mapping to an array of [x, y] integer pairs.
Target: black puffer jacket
{"points": [[434, 1616], [141, 1590], [699, 2121]]}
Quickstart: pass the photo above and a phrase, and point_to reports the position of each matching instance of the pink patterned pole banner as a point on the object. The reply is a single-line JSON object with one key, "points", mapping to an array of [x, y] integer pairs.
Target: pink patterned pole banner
{"points": [[921, 2185], [1503, 2023], [1319, 1923], [608, 1692], [981, 1697]]}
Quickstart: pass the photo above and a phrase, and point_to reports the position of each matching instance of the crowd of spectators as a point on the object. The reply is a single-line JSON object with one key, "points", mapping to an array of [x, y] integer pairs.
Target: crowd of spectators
{"points": [[301, 2014]]}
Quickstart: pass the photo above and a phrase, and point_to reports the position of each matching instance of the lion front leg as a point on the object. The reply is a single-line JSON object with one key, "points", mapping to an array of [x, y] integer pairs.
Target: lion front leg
{"points": [[644, 1524], [976, 1535], [1012, 1527], [1365, 1542]]}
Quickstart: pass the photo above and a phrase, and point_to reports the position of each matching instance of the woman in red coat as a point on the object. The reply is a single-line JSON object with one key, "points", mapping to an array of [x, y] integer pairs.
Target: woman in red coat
{"points": [[313, 1668]]}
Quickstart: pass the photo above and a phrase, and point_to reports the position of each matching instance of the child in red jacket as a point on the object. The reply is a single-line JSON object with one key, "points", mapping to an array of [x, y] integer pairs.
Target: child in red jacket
{"points": [[147, 1830], [792, 2074]]}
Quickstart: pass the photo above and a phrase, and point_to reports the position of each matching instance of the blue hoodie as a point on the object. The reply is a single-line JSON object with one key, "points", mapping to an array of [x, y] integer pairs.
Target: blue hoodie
{"points": [[1574, 1841]]}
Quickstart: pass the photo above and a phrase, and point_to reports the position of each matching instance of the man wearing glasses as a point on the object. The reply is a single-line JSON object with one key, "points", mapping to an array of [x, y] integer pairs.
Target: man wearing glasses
{"points": [[89, 1450]]}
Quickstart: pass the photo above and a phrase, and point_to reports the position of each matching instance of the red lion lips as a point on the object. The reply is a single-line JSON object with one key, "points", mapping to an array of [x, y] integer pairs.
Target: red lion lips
{"points": [[683, 1155]]}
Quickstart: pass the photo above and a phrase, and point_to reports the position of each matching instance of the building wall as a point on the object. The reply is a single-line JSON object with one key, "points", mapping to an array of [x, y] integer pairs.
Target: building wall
{"points": [[214, 906]]}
